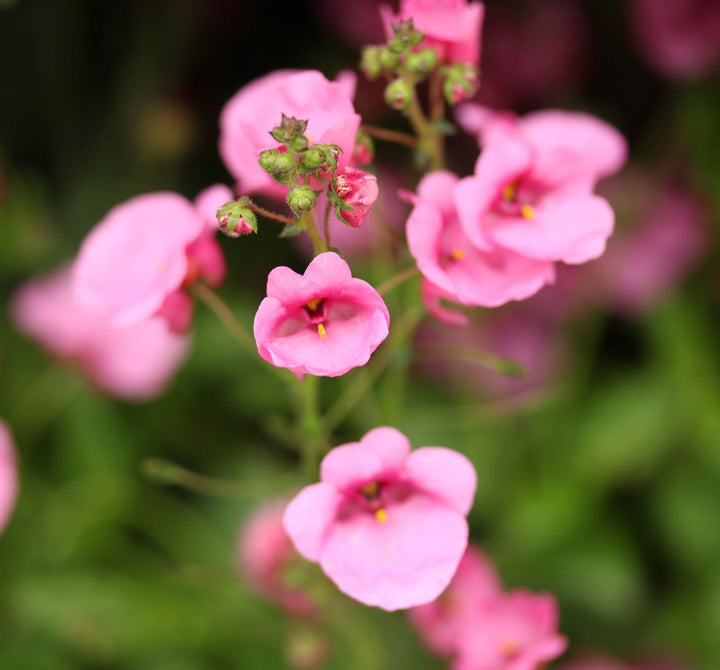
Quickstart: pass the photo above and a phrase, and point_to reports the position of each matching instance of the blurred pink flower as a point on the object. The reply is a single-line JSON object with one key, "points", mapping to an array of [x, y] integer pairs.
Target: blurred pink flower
{"points": [[553, 57], [515, 631], [453, 27], [137, 261], [134, 362], [8, 475], [265, 551], [532, 188], [439, 623], [386, 525], [323, 322], [250, 115], [450, 261], [679, 38], [358, 190], [356, 23]]}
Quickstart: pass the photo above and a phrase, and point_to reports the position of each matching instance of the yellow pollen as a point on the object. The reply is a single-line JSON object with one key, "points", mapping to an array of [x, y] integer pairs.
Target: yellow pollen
{"points": [[313, 304], [457, 254], [528, 212], [370, 490], [309, 138], [510, 191], [381, 516], [321, 330]]}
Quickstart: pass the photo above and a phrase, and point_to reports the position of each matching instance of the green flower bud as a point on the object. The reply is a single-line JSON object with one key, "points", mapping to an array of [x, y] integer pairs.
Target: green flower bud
{"points": [[288, 129], [312, 159], [267, 159], [423, 62], [236, 219], [301, 198], [299, 143], [406, 36], [461, 82], [370, 62], [399, 94], [388, 59]]}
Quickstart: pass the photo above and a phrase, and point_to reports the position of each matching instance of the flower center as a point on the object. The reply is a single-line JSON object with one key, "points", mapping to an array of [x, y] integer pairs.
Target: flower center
{"points": [[512, 203], [315, 310], [372, 492]]}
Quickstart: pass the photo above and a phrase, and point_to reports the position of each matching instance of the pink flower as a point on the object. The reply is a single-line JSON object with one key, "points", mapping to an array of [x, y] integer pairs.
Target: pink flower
{"points": [[450, 260], [517, 631], [440, 622], [8, 475], [358, 190], [265, 552], [679, 38], [249, 116], [532, 188], [323, 322], [134, 361], [453, 27], [136, 262], [386, 525]]}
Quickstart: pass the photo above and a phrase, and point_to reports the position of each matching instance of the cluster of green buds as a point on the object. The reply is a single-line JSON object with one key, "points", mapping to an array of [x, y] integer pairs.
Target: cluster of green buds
{"points": [[401, 61], [296, 161]]}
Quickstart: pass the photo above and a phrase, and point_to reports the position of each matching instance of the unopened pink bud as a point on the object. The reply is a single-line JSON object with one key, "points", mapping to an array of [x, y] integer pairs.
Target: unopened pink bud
{"points": [[358, 190]]}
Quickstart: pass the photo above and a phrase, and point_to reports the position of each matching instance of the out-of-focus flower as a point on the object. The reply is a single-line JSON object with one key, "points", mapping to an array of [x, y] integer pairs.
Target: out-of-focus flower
{"points": [[323, 322], [448, 258], [516, 631], [138, 260], [386, 525], [134, 362], [265, 552], [356, 23], [359, 191], [440, 622], [679, 38], [248, 117], [8, 475], [453, 27]]}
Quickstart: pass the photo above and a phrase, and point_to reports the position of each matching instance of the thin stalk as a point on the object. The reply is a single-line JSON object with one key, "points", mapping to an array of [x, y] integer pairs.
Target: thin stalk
{"points": [[504, 366], [326, 224], [313, 436], [398, 279], [429, 139], [392, 136], [308, 225], [437, 103], [272, 215]]}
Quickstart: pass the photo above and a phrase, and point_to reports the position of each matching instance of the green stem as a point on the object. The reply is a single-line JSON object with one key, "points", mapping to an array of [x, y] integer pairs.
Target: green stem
{"points": [[307, 222], [398, 279], [313, 436], [391, 136], [429, 139], [272, 215], [326, 221]]}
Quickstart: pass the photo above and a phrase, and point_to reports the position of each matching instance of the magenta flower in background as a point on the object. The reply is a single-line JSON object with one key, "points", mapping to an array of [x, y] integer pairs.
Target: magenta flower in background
{"points": [[451, 262], [323, 322], [679, 38], [453, 27], [358, 190], [516, 631], [134, 362], [137, 261], [439, 623], [8, 475], [532, 188], [386, 525], [265, 551], [249, 116]]}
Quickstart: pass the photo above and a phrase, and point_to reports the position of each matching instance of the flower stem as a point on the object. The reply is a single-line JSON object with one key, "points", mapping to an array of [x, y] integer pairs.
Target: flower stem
{"points": [[272, 215], [307, 223], [312, 433], [431, 141], [392, 136], [398, 279], [326, 222]]}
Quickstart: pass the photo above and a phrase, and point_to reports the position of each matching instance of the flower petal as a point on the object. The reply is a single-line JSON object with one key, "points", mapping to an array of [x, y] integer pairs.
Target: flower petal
{"points": [[308, 518]]}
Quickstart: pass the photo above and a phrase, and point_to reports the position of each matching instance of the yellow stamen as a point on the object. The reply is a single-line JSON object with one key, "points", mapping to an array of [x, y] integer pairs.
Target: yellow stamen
{"points": [[510, 191], [321, 330], [458, 254], [313, 304], [381, 516], [528, 212], [370, 490], [309, 138]]}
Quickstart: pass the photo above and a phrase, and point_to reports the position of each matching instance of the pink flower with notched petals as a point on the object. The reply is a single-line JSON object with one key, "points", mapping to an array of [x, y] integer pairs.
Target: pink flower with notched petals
{"points": [[449, 260], [532, 188], [453, 27], [265, 552], [440, 622], [250, 115], [386, 525], [516, 631], [138, 260], [323, 322], [8, 475], [134, 362]]}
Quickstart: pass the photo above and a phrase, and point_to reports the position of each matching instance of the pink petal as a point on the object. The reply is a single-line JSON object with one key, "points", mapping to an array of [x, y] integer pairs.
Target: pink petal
{"points": [[328, 269], [431, 295], [349, 466], [8, 475], [206, 255], [209, 200], [309, 516], [434, 188], [445, 474], [406, 561], [389, 445]]}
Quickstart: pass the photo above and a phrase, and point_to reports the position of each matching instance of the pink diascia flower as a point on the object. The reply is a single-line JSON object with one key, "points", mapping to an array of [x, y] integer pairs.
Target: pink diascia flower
{"points": [[137, 261], [453, 27], [679, 38], [440, 622], [134, 362], [323, 322], [450, 260], [265, 551], [8, 475], [386, 525], [532, 188], [358, 190], [516, 631], [250, 115]]}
